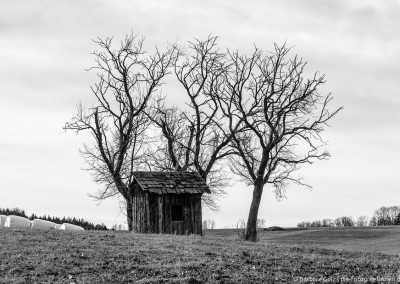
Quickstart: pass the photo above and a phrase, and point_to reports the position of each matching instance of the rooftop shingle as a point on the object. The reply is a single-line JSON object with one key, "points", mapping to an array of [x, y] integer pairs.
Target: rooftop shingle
{"points": [[171, 182]]}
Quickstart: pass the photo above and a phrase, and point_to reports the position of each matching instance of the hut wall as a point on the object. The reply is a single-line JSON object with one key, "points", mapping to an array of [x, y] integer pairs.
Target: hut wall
{"points": [[152, 213], [140, 207], [191, 209]]}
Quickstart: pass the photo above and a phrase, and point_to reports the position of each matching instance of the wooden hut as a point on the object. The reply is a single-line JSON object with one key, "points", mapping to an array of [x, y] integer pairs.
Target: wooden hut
{"points": [[168, 202]]}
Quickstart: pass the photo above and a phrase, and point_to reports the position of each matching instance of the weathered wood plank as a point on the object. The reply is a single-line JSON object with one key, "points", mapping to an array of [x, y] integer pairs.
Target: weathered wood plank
{"points": [[152, 212], [198, 217], [167, 214], [160, 214]]}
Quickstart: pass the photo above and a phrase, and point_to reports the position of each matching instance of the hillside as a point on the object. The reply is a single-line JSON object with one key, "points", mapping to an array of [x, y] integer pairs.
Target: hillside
{"points": [[358, 239], [30, 256]]}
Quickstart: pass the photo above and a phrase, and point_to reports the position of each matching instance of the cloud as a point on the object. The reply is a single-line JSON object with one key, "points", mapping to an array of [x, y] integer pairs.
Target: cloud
{"points": [[46, 45]]}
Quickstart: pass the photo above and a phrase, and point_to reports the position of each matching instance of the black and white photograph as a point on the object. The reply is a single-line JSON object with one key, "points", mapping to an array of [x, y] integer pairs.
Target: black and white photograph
{"points": [[199, 141]]}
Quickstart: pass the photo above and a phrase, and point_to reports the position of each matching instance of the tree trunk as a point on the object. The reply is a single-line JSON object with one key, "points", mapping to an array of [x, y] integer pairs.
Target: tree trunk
{"points": [[251, 232], [129, 212]]}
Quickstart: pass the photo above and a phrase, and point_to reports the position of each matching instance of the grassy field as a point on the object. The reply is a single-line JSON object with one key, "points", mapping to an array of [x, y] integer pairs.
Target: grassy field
{"points": [[358, 239], [31, 256]]}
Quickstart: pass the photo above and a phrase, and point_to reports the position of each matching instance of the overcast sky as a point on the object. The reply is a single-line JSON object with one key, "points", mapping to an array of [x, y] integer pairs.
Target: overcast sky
{"points": [[45, 47]]}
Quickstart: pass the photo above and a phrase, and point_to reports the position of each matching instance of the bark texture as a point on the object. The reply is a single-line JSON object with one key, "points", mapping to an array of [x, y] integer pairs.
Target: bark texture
{"points": [[251, 230]]}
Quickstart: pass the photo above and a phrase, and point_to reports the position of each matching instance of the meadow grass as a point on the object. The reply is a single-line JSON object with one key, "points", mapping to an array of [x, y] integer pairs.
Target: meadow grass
{"points": [[358, 239], [33, 256]]}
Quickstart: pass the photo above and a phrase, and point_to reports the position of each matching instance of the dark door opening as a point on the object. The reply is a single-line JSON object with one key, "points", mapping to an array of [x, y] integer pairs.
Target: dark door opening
{"points": [[177, 212]]}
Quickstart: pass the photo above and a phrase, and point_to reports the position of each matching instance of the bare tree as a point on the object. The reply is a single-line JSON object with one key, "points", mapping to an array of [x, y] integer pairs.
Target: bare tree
{"points": [[338, 222], [197, 139], [327, 222], [127, 77], [208, 224], [362, 221], [316, 224], [386, 216], [373, 221], [304, 224], [347, 221], [284, 114], [320, 223]]}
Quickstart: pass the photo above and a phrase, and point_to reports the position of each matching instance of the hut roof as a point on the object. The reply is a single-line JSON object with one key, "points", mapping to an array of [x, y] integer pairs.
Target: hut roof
{"points": [[171, 182]]}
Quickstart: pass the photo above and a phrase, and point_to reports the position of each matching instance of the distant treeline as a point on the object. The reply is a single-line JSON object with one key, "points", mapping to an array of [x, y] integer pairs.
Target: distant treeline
{"points": [[79, 222], [384, 216]]}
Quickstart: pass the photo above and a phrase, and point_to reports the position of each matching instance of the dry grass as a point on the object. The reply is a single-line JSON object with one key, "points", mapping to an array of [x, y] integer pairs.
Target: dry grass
{"points": [[357, 239], [31, 256]]}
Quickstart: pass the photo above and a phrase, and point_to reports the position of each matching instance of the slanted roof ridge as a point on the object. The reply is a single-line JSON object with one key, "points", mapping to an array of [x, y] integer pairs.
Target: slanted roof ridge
{"points": [[171, 181]]}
